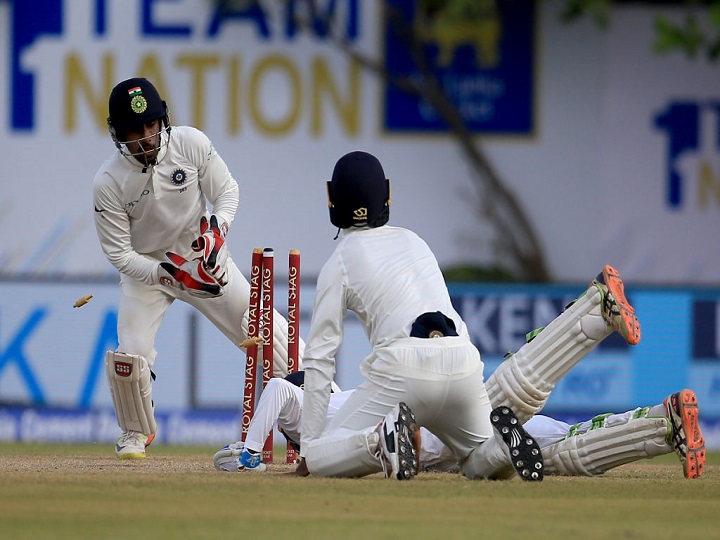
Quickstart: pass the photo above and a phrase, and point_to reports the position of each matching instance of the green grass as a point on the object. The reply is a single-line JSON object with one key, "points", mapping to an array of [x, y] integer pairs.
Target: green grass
{"points": [[84, 492]]}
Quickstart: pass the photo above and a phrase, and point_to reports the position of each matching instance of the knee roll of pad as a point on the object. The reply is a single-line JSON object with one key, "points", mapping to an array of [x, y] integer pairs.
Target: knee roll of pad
{"points": [[130, 383], [525, 379], [509, 386]]}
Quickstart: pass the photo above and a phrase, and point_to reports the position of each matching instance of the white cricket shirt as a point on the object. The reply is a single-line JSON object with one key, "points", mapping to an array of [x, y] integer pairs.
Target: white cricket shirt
{"points": [[387, 276], [142, 212]]}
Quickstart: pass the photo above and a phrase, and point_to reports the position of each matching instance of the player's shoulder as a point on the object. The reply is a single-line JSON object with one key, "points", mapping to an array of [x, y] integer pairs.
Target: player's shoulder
{"points": [[384, 232], [191, 143], [395, 239], [109, 170], [189, 135], [405, 233], [396, 229]]}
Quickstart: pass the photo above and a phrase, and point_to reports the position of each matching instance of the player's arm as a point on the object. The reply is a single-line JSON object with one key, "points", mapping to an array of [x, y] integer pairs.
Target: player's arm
{"points": [[222, 193], [113, 229], [220, 189], [325, 337], [216, 182], [302, 469]]}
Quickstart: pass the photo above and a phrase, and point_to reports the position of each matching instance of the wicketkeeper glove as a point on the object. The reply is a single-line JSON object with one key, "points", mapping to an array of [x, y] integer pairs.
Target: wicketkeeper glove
{"points": [[188, 276], [211, 244]]}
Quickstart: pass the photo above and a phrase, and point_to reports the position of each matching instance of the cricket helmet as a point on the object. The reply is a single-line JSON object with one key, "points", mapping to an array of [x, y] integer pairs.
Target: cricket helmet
{"points": [[297, 378], [358, 193], [133, 103]]}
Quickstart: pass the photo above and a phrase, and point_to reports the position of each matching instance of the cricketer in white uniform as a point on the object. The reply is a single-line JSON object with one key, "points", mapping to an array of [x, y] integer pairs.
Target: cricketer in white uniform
{"points": [[386, 275], [152, 198], [389, 278], [588, 448]]}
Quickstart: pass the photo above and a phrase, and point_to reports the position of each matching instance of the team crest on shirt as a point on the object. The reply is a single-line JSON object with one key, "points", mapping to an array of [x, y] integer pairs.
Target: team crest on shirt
{"points": [[179, 176]]}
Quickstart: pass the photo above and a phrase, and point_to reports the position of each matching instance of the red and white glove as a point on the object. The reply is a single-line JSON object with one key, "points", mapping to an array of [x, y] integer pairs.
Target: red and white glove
{"points": [[188, 276], [211, 244]]}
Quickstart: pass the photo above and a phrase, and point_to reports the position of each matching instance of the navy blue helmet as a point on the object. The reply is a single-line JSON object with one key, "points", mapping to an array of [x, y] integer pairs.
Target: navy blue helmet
{"points": [[358, 193]]}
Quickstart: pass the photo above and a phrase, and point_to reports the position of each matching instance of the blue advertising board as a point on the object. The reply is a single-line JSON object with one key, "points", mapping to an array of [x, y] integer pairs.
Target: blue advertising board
{"points": [[483, 62], [680, 346], [52, 355]]}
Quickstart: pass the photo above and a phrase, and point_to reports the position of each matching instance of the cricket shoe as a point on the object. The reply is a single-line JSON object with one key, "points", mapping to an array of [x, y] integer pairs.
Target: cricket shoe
{"points": [[131, 445], [685, 436], [616, 309], [397, 453], [525, 452], [234, 458]]}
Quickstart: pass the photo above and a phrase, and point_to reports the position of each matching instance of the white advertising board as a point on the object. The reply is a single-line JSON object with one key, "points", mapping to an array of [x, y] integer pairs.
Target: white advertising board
{"points": [[611, 171]]}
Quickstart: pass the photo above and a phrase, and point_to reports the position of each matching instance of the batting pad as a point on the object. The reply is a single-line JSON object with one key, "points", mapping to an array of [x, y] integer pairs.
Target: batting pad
{"points": [[130, 385], [622, 439], [524, 380]]}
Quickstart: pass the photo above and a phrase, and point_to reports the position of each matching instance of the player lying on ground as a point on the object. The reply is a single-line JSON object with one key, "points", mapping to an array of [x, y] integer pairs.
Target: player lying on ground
{"points": [[525, 379], [586, 449]]}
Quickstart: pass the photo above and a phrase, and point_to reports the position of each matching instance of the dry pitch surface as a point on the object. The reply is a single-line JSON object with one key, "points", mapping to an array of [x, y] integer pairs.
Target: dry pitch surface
{"points": [[84, 492]]}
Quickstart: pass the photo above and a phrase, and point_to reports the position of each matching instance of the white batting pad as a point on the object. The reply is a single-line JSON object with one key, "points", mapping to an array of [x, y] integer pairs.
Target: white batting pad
{"points": [[130, 385], [621, 439], [524, 380]]}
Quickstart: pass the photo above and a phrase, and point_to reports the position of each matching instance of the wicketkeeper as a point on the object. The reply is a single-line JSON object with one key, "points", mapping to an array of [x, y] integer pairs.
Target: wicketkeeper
{"points": [[152, 214]]}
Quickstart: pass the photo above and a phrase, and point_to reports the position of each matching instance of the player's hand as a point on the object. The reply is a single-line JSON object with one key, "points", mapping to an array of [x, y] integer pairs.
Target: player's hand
{"points": [[188, 276], [211, 245], [302, 469]]}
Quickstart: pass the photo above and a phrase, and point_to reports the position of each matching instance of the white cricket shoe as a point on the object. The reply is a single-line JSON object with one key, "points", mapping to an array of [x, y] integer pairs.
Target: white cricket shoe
{"points": [[398, 456], [131, 445]]}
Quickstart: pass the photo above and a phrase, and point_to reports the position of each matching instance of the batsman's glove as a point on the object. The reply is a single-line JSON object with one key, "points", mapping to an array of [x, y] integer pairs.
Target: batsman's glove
{"points": [[211, 245], [228, 457], [188, 276]]}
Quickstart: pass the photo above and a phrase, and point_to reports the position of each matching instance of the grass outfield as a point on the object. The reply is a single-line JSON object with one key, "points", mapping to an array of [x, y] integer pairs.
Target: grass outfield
{"points": [[85, 492]]}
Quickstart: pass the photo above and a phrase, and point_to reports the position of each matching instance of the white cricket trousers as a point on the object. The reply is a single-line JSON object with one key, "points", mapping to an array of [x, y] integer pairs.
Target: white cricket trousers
{"points": [[441, 380], [281, 402]]}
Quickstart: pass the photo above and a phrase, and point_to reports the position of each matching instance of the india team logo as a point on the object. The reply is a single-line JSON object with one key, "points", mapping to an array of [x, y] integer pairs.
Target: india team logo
{"points": [[138, 103], [179, 176]]}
